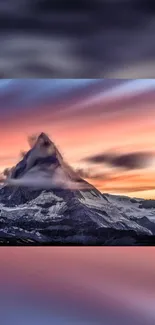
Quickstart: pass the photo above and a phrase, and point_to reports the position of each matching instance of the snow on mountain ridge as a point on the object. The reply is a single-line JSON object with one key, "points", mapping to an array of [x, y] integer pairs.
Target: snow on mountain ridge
{"points": [[69, 208]]}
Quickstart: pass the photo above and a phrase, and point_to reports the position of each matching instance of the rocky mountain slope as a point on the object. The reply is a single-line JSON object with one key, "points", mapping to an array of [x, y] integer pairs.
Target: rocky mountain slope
{"points": [[44, 202]]}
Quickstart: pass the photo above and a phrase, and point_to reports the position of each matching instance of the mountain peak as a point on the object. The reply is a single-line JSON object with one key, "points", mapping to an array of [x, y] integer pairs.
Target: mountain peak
{"points": [[43, 168], [43, 136], [44, 140]]}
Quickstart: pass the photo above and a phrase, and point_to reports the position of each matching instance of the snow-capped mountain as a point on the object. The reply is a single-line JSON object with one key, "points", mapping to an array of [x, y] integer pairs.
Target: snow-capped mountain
{"points": [[44, 201]]}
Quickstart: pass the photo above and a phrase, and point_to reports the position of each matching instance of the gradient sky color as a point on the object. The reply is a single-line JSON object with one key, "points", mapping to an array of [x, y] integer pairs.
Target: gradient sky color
{"points": [[91, 285], [84, 117]]}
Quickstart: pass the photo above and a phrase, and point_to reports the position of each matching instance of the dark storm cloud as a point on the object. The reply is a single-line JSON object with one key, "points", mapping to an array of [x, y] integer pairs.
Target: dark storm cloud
{"points": [[128, 161], [80, 38], [88, 173]]}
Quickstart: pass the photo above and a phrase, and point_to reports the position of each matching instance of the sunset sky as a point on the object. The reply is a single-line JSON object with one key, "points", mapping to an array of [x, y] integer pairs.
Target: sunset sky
{"points": [[85, 118]]}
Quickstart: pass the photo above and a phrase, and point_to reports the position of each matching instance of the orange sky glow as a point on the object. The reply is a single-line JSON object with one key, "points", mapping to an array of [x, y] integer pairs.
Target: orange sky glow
{"points": [[84, 122]]}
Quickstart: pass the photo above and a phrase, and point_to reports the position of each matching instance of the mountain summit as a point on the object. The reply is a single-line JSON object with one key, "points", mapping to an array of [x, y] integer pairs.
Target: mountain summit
{"points": [[44, 201], [43, 153], [43, 168]]}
